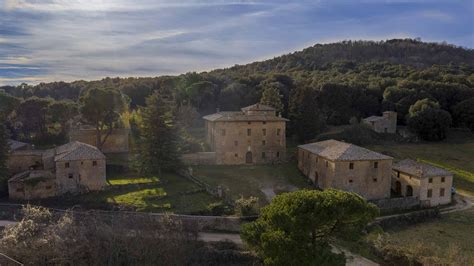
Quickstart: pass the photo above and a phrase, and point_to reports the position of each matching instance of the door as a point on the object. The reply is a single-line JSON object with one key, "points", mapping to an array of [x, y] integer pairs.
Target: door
{"points": [[398, 188], [316, 179], [248, 157], [409, 191]]}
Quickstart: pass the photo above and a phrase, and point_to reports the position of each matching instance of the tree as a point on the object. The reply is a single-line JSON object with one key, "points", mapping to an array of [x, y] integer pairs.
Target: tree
{"points": [[4, 149], [429, 121], [305, 118], [102, 108], [32, 115], [61, 112], [464, 113], [295, 229], [271, 96], [159, 136], [8, 104]]}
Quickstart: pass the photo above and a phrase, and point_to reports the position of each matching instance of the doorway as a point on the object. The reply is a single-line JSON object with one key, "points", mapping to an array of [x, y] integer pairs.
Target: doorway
{"points": [[409, 192], [248, 157]]}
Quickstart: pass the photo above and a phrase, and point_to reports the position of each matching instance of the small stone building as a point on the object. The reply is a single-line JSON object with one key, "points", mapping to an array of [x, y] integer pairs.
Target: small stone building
{"points": [[74, 167], [345, 166], [426, 182], [387, 123], [255, 135]]}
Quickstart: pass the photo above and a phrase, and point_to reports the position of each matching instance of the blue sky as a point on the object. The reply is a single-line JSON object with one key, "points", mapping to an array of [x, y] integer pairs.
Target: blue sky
{"points": [[48, 40]]}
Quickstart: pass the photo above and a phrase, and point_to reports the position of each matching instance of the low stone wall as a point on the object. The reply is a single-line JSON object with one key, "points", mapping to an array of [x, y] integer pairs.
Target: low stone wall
{"points": [[199, 158], [407, 218], [397, 203]]}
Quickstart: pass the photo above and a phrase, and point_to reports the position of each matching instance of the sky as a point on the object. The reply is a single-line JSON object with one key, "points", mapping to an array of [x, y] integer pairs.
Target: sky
{"points": [[53, 40]]}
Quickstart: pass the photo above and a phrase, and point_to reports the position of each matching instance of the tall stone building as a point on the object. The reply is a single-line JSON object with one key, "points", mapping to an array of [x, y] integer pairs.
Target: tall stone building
{"points": [[387, 123], [73, 167], [345, 166], [423, 181], [255, 135]]}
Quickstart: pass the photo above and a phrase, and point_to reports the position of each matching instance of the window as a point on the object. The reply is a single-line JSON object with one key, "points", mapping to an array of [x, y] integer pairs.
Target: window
{"points": [[443, 179], [249, 122], [263, 155], [70, 175], [430, 180], [264, 122], [351, 165], [374, 179], [278, 154], [82, 163], [327, 164], [430, 193], [48, 187], [94, 163], [263, 143], [222, 132], [236, 155], [441, 192], [350, 181], [264, 131], [398, 174], [66, 165], [249, 131], [236, 143], [20, 190], [316, 159], [278, 131], [376, 164]]}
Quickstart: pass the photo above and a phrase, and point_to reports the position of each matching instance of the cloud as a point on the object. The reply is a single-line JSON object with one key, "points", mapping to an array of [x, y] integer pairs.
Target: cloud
{"points": [[79, 39]]}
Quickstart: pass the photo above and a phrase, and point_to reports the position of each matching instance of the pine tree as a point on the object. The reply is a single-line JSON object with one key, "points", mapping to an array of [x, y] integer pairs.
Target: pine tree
{"points": [[3, 158], [271, 96], [159, 136]]}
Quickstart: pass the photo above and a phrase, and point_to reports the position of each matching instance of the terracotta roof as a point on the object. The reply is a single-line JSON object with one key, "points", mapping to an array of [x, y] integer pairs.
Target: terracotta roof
{"points": [[341, 151], [373, 118], [77, 151], [258, 107], [15, 145], [418, 169], [31, 175]]}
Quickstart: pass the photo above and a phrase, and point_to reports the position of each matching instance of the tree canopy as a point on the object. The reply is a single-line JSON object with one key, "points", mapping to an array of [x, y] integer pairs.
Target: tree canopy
{"points": [[429, 121], [296, 227]]}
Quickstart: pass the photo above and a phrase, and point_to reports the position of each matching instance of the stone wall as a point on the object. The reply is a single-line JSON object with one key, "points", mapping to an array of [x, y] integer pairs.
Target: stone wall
{"points": [[117, 142], [76, 176], [41, 185], [199, 158], [397, 203], [241, 142], [23, 160]]}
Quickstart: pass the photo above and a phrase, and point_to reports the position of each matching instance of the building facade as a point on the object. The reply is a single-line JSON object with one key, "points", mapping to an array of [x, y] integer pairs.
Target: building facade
{"points": [[255, 135], [345, 166], [74, 167], [426, 182], [387, 123]]}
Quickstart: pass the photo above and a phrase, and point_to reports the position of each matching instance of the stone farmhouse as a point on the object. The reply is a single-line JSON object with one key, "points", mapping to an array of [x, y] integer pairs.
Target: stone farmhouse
{"points": [[345, 166], [74, 167], [387, 123], [423, 181], [254, 135]]}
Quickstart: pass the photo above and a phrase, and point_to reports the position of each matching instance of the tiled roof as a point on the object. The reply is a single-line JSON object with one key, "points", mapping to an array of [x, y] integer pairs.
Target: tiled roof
{"points": [[239, 116], [77, 151], [15, 145], [373, 118], [418, 169], [341, 151], [258, 107], [31, 175]]}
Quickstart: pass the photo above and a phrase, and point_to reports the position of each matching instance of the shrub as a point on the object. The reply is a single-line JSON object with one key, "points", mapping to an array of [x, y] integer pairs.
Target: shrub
{"points": [[246, 207], [219, 208]]}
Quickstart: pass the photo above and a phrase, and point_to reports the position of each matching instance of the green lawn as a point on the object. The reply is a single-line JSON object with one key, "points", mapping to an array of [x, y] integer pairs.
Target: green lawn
{"points": [[452, 229], [249, 180], [170, 193], [455, 155]]}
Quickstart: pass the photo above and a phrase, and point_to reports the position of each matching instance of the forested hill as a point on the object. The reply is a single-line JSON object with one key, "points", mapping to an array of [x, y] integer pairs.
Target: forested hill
{"points": [[320, 85], [396, 51]]}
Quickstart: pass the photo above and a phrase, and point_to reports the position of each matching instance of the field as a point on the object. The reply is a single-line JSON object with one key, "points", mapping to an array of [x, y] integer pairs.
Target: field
{"points": [[169, 193], [262, 181], [456, 155]]}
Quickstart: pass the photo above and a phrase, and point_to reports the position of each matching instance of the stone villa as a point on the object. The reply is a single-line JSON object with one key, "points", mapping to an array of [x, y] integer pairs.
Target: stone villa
{"points": [[426, 182], [345, 166], [73, 167], [387, 123], [254, 135]]}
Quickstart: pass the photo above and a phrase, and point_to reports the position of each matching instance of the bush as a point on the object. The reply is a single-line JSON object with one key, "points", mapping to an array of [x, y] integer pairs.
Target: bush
{"points": [[246, 207], [219, 209]]}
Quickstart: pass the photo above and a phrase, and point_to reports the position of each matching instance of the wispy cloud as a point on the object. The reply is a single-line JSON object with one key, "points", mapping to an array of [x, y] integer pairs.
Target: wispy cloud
{"points": [[45, 40]]}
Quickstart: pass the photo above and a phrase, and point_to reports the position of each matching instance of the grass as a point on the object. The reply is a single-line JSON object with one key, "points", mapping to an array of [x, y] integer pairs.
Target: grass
{"points": [[455, 155], [168, 193], [452, 229], [248, 180]]}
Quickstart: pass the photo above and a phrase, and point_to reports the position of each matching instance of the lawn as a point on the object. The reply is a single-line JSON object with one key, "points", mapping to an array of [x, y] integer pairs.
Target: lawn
{"points": [[452, 229], [169, 193], [253, 180], [455, 155]]}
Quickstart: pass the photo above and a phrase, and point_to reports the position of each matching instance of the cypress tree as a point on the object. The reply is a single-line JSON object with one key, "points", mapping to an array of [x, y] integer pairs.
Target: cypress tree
{"points": [[3, 158], [159, 136]]}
